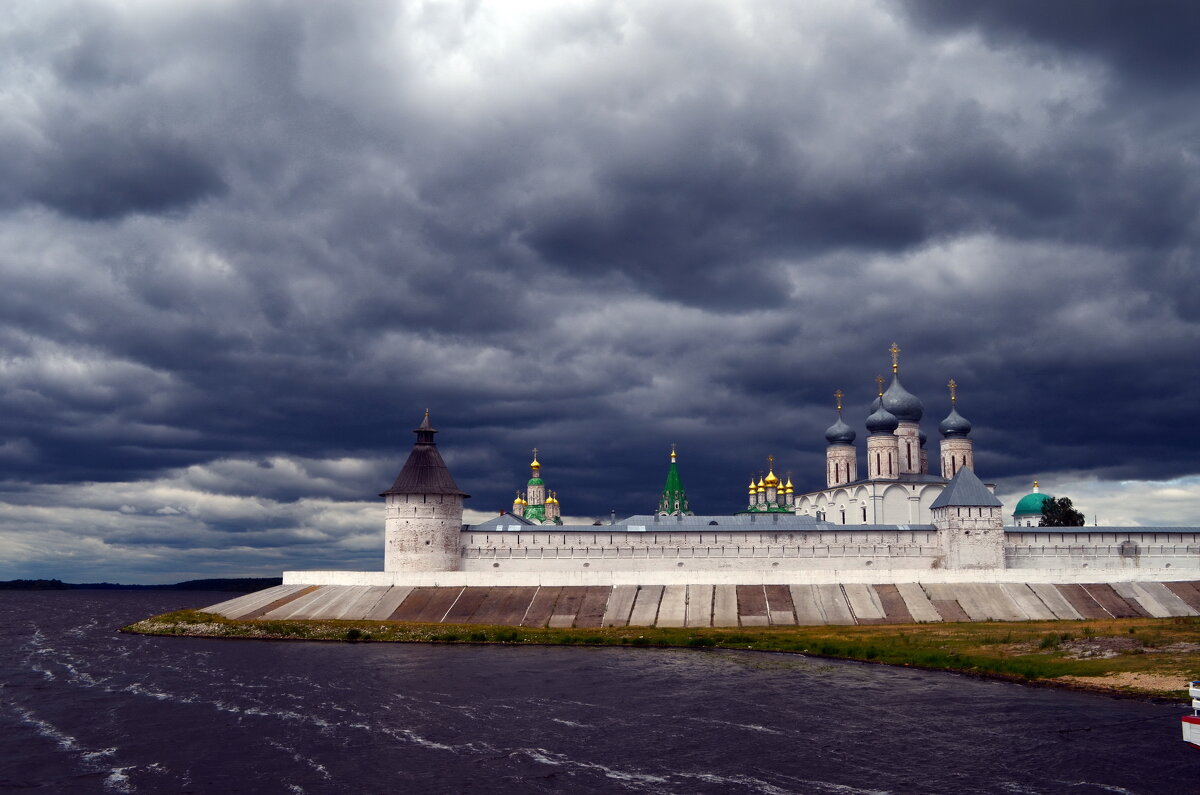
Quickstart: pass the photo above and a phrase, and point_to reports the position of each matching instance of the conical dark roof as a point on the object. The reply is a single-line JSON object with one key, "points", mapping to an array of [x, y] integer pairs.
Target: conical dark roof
{"points": [[425, 472]]}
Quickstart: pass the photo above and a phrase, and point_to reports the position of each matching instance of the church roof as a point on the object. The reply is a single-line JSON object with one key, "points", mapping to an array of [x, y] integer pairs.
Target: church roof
{"points": [[966, 489], [425, 472], [1031, 503]]}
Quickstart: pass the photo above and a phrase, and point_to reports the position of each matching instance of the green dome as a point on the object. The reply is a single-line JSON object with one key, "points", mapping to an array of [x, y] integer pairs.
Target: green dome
{"points": [[1031, 503], [540, 482]]}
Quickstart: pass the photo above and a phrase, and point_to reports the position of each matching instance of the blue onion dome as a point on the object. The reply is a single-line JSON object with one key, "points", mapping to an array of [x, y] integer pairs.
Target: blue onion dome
{"points": [[840, 432], [882, 421], [875, 404], [955, 424], [902, 403], [923, 438]]}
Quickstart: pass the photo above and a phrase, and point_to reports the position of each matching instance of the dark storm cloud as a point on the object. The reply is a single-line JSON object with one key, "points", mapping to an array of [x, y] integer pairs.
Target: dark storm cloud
{"points": [[99, 175], [1152, 41], [245, 246]]}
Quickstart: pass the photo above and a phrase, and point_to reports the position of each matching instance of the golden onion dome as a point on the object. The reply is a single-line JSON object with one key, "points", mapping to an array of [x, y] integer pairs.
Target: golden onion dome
{"points": [[761, 486], [788, 486]]}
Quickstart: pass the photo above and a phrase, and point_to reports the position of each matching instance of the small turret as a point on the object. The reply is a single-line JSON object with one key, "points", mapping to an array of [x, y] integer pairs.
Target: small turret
{"points": [[841, 459], [958, 450], [882, 445], [907, 410]]}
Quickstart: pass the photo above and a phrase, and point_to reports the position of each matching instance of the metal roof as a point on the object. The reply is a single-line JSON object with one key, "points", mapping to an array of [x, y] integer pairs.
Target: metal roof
{"points": [[964, 490], [425, 472]]}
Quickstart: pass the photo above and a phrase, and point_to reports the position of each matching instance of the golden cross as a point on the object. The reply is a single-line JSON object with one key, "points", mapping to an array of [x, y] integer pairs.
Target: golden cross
{"points": [[953, 387], [895, 349], [879, 383], [771, 462], [535, 454], [672, 452], [839, 395]]}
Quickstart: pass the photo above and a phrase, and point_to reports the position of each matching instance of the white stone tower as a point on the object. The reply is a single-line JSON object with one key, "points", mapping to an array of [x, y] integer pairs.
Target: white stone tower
{"points": [[907, 410], [423, 511], [882, 448], [841, 459], [958, 451], [970, 529]]}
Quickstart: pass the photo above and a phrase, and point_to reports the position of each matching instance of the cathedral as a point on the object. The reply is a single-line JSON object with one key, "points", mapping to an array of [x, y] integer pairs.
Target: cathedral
{"points": [[898, 487]]}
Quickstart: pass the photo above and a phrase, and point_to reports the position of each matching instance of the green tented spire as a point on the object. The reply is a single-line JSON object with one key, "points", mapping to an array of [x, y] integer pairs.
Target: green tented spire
{"points": [[674, 499]]}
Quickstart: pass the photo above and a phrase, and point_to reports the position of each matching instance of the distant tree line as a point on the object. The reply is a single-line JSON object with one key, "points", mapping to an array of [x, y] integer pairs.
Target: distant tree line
{"points": [[236, 584]]}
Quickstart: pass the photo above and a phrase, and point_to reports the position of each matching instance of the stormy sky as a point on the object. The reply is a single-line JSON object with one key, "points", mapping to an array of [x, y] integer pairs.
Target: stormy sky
{"points": [[244, 245]]}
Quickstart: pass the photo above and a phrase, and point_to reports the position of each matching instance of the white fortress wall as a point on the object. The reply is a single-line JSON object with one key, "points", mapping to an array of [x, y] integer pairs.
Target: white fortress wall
{"points": [[617, 548], [1102, 547], [903, 547]]}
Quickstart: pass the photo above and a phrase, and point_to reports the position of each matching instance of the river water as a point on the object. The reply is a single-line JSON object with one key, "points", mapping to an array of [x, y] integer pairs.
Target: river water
{"points": [[85, 709]]}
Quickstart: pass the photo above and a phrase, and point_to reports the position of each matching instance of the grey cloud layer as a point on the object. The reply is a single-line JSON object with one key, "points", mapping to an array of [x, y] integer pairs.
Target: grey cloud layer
{"points": [[239, 232]]}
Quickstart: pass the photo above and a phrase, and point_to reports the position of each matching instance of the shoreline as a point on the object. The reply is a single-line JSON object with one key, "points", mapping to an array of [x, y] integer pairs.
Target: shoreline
{"points": [[1130, 658]]}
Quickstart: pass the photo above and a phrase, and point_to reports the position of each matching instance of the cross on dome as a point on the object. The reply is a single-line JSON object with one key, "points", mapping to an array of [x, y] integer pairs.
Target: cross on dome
{"points": [[895, 349]]}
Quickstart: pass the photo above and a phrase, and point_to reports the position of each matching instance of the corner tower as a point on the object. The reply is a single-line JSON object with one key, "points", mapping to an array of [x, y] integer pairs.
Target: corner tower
{"points": [[423, 511]]}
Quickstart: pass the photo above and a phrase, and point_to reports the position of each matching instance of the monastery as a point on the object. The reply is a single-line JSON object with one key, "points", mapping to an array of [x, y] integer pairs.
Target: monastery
{"points": [[900, 523], [901, 545]]}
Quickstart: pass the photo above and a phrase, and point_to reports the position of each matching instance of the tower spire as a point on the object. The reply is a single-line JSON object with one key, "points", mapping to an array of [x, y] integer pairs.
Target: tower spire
{"points": [[673, 501]]}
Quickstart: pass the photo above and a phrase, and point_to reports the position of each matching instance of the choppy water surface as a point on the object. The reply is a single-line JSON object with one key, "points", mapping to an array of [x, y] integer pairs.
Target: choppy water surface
{"points": [[84, 709]]}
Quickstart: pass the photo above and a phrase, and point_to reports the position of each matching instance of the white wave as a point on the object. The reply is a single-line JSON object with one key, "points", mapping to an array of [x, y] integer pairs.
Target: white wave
{"points": [[65, 741], [572, 723], [545, 757], [300, 758], [118, 779], [758, 785], [754, 727]]}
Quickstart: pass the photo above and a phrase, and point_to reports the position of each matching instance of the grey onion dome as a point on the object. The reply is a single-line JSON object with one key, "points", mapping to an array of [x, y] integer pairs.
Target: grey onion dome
{"points": [[923, 438], [955, 424], [882, 421], [840, 432], [902, 403]]}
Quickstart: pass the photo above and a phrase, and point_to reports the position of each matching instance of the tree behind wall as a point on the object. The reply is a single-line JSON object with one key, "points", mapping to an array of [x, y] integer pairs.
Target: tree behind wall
{"points": [[1060, 513]]}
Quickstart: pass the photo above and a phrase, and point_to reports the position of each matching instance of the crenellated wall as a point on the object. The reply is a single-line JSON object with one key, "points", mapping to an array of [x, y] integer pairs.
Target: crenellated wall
{"points": [[911, 547]]}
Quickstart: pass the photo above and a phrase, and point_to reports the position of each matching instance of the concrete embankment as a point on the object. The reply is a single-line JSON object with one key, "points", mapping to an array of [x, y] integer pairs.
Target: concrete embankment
{"points": [[718, 605]]}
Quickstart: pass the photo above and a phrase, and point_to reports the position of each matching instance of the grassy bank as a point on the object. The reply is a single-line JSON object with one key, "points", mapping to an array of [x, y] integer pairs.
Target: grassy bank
{"points": [[1139, 656]]}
